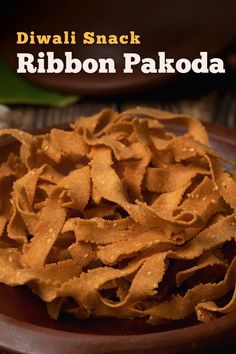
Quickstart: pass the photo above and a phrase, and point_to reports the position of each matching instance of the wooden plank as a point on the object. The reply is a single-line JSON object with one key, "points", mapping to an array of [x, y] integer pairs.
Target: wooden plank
{"points": [[213, 107], [38, 117]]}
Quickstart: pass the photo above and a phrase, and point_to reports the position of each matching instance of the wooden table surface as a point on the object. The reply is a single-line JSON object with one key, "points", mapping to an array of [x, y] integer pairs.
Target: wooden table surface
{"points": [[209, 99]]}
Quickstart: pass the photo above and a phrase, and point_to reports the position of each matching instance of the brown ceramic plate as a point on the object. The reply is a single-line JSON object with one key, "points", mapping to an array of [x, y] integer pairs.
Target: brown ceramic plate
{"points": [[25, 326]]}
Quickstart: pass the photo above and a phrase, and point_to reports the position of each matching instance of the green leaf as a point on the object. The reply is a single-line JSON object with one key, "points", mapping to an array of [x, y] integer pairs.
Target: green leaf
{"points": [[15, 90]]}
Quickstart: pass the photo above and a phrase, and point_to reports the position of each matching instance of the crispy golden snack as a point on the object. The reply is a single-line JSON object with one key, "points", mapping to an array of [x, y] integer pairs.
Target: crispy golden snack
{"points": [[120, 217]]}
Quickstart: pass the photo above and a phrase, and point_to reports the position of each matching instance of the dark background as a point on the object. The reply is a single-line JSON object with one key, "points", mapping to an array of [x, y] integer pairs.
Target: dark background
{"points": [[181, 28]]}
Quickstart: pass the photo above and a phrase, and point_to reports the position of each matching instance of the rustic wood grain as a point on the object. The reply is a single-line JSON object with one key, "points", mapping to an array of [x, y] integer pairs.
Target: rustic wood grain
{"points": [[219, 107]]}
